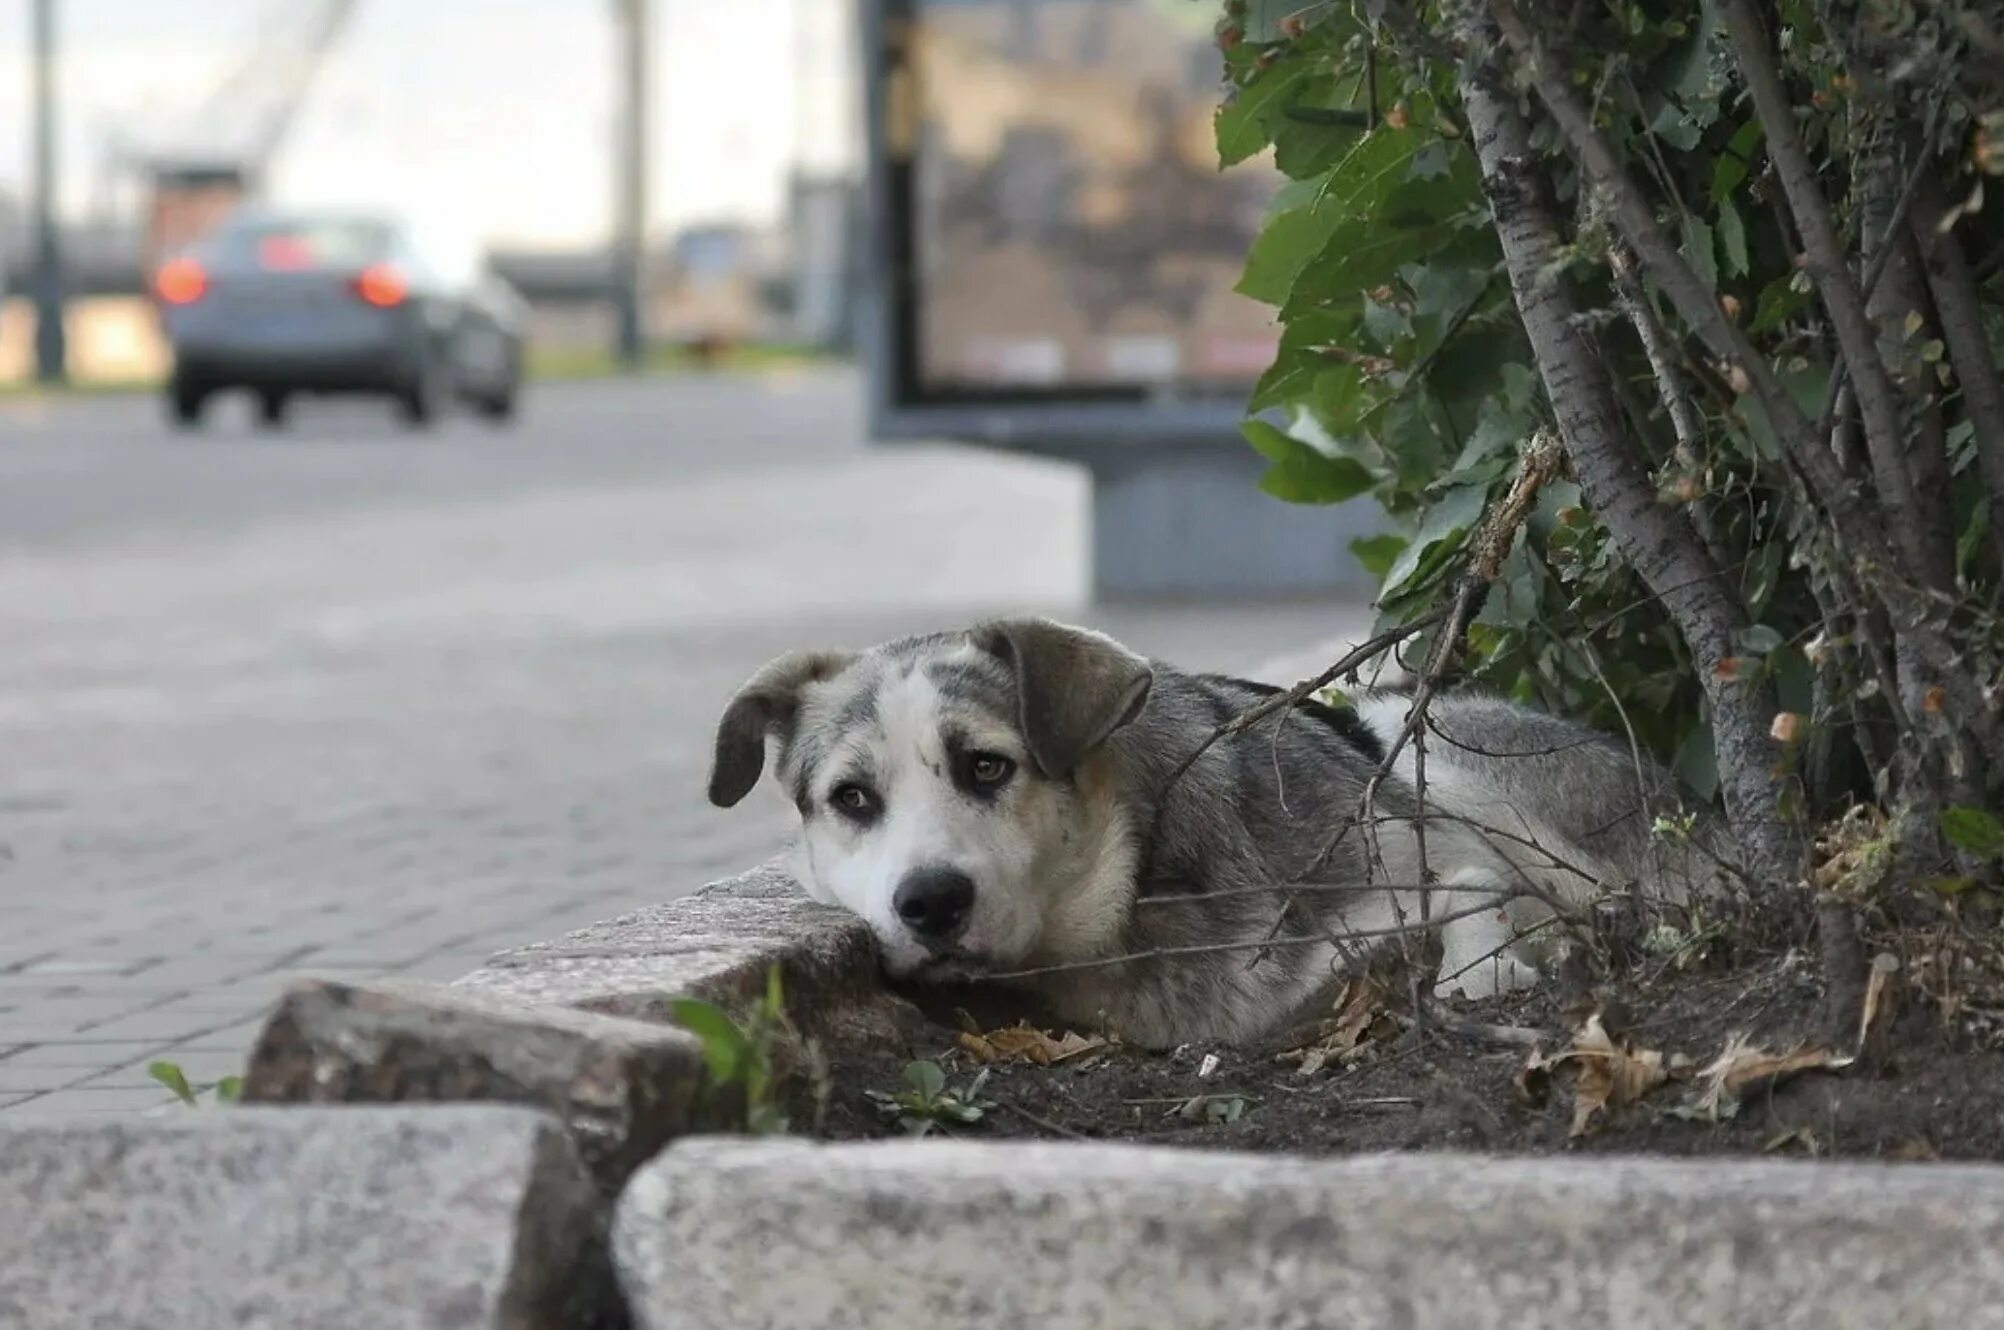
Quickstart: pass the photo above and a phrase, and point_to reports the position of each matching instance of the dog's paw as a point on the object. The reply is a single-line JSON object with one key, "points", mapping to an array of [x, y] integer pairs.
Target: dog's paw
{"points": [[1486, 979]]}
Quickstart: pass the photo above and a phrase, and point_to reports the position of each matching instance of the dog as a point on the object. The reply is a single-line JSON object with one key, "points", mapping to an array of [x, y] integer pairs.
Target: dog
{"points": [[1019, 801]]}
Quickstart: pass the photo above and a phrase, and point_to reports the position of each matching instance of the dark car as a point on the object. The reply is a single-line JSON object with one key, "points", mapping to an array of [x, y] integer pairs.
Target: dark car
{"points": [[283, 303]]}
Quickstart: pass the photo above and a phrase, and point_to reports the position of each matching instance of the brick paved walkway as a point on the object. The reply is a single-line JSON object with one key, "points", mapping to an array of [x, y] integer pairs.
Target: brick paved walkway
{"points": [[349, 704]]}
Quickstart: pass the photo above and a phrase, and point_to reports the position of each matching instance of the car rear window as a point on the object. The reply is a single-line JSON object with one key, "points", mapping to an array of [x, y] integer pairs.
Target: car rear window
{"points": [[304, 244]]}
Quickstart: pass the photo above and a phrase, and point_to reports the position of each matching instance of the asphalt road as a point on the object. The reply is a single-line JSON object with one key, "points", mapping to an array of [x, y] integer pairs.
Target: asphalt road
{"points": [[346, 700]]}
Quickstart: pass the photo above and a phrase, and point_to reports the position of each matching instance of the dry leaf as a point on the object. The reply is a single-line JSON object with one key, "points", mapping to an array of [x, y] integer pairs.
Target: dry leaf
{"points": [[1803, 1136], [1613, 1074], [1534, 1079], [1026, 1043], [1744, 1064], [1787, 726], [1341, 1036], [1878, 990]]}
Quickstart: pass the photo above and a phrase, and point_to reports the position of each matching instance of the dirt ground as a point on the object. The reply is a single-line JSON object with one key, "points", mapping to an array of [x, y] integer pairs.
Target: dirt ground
{"points": [[1697, 1049]]}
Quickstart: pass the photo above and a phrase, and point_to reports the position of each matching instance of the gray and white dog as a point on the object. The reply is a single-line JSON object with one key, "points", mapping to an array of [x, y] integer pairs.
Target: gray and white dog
{"points": [[1013, 798]]}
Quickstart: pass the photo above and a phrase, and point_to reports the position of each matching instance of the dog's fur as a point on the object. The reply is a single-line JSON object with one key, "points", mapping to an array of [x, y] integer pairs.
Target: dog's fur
{"points": [[1093, 846]]}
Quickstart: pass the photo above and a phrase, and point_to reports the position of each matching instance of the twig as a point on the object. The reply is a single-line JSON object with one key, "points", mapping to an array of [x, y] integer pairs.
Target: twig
{"points": [[1299, 693], [1488, 550], [1037, 1120], [1218, 948], [1317, 889], [1922, 170]]}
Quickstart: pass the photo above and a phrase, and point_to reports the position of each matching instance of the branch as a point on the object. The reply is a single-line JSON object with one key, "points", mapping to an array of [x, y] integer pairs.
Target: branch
{"points": [[1961, 313], [1823, 254], [1685, 422]]}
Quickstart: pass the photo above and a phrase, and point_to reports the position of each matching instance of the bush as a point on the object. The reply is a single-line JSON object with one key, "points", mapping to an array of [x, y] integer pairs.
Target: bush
{"points": [[1735, 255]]}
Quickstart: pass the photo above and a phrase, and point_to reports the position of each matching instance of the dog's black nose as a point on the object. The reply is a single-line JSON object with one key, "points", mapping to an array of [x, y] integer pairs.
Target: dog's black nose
{"points": [[934, 902]]}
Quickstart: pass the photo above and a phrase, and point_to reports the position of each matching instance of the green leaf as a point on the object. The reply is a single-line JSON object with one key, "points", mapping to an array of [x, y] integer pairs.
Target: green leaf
{"points": [[1779, 301], [725, 1046], [230, 1089], [1376, 553], [1733, 236], [1247, 125], [1974, 831], [1442, 530], [1699, 249], [926, 1079], [1969, 545], [1313, 478], [1759, 640], [1270, 441], [1736, 161], [169, 1074], [775, 998], [1677, 128], [1697, 763], [1300, 473]]}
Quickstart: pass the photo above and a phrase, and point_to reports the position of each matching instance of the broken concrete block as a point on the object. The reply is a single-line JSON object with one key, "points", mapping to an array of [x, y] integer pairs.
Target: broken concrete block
{"points": [[301, 1220], [623, 1088], [718, 945], [719, 1233]]}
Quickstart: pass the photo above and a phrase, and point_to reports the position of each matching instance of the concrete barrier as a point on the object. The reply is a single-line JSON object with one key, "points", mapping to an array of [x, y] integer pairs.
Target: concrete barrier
{"points": [[718, 1234], [302, 1219]]}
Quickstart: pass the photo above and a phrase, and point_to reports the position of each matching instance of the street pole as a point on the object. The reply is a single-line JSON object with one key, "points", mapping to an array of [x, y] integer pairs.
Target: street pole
{"points": [[630, 248], [48, 275]]}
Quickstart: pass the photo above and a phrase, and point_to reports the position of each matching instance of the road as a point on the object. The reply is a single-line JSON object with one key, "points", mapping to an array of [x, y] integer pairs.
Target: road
{"points": [[350, 702]]}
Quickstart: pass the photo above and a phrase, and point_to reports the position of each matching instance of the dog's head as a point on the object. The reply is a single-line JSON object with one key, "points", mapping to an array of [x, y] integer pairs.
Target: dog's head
{"points": [[949, 787]]}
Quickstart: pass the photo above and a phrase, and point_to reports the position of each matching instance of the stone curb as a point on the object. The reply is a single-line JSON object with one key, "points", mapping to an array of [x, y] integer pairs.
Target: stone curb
{"points": [[579, 1026], [719, 1233], [303, 1219], [622, 1088], [717, 945]]}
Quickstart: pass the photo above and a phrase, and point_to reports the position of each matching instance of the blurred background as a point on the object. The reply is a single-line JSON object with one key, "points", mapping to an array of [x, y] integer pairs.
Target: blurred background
{"points": [[502, 121], [776, 324]]}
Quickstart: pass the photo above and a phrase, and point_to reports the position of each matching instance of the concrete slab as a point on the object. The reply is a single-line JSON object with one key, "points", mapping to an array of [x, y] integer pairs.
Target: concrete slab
{"points": [[719, 1233], [304, 1219]]}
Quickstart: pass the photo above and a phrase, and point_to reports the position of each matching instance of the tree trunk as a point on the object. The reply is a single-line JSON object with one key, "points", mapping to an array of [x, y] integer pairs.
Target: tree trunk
{"points": [[1656, 540]]}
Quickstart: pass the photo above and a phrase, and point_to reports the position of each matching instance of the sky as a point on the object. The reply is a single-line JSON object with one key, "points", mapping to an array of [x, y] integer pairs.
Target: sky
{"points": [[492, 117]]}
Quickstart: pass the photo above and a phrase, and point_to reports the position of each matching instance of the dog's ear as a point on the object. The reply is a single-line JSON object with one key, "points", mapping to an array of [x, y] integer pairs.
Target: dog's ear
{"points": [[767, 700], [1074, 687]]}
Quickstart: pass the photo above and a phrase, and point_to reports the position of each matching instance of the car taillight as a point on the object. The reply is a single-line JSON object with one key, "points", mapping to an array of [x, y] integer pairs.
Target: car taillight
{"points": [[180, 282], [382, 286]]}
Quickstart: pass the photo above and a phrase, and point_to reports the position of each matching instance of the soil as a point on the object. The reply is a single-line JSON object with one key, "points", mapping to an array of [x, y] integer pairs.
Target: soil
{"points": [[1926, 1082]]}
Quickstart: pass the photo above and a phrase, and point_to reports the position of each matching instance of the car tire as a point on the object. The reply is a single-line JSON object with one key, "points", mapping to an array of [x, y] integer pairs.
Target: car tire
{"points": [[500, 406], [418, 403], [185, 401], [271, 408]]}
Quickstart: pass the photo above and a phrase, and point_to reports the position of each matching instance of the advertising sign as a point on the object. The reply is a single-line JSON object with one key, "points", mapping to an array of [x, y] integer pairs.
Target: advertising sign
{"points": [[1055, 247]]}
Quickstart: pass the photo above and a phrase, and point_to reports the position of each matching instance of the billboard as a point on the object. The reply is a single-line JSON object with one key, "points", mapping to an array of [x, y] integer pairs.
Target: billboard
{"points": [[1055, 248]]}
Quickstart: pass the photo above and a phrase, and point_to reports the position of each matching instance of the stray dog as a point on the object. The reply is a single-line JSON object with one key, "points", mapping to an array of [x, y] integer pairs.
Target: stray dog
{"points": [[1015, 798]]}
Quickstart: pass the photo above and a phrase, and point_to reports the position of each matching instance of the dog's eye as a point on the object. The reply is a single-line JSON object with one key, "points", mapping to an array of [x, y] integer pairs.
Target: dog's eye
{"points": [[855, 800], [990, 770]]}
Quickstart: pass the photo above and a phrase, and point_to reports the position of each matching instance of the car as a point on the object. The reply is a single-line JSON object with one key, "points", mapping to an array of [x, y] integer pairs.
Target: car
{"points": [[283, 303]]}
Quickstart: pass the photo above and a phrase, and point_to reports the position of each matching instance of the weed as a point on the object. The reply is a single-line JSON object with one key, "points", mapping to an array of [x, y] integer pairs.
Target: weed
{"points": [[741, 1055], [929, 1103], [169, 1074]]}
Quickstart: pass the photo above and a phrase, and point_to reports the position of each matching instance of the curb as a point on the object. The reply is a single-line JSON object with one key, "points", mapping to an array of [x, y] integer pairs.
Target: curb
{"points": [[728, 1233]]}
